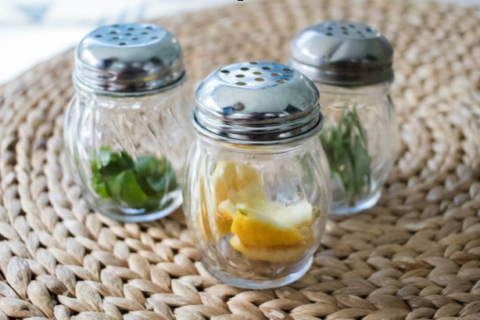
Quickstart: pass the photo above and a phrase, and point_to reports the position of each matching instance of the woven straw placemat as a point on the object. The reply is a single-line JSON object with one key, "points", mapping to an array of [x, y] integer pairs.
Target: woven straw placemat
{"points": [[415, 255]]}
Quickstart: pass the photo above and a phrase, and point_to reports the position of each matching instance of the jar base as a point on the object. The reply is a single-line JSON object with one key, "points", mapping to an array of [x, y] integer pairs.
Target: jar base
{"points": [[176, 203], [365, 204], [259, 284]]}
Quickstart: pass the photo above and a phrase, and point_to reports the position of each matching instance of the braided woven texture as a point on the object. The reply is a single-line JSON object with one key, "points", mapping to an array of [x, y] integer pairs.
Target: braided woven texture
{"points": [[416, 255]]}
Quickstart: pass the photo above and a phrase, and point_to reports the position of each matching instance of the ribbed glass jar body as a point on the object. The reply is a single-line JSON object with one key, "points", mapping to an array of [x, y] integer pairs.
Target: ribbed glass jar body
{"points": [[360, 140], [258, 212], [129, 153]]}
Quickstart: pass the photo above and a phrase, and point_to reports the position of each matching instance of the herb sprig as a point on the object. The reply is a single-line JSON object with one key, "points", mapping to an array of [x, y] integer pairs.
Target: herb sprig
{"points": [[139, 185], [346, 146]]}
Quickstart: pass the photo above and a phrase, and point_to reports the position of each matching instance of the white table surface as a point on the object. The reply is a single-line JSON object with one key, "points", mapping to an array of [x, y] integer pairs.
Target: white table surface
{"points": [[34, 30]]}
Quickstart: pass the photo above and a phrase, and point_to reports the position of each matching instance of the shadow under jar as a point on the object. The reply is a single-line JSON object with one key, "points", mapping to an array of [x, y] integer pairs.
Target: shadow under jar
{"points": [[351, 64], [257, 188], [127, 129]]}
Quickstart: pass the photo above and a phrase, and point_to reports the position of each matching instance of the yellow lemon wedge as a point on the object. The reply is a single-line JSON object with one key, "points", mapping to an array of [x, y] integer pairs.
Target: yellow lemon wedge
{"points": [[260, 227], [204, 227], [230, 178], [273, 254], [272, 231], [260, 231], [296, 215], [223, 221], [203, 223], [226, 209]]}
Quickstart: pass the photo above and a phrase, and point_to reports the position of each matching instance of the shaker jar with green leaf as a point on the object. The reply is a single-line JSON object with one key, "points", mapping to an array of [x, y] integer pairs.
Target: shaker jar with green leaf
{"points": [[127, 129], [351, 65]]}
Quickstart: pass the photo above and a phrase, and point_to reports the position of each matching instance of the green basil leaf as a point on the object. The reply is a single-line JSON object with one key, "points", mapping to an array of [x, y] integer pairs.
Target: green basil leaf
{"points": [[139, 185], [166, 184], [117, 163], [99, 185], [103, 157], [125, 188], [156, 176]]}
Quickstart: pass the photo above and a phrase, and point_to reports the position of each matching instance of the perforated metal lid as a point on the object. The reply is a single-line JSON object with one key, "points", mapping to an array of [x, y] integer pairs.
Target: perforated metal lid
{"points": [[129, 59], [342, 53], [257, 103]]}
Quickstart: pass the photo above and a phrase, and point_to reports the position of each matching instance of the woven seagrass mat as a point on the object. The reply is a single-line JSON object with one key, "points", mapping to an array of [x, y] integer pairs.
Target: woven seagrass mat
{"points": [[414, 256]]}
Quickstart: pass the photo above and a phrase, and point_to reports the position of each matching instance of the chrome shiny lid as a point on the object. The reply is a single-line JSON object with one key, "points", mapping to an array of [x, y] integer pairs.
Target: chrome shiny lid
{"points": [[257, 103], [342, 53], [128, 60]]}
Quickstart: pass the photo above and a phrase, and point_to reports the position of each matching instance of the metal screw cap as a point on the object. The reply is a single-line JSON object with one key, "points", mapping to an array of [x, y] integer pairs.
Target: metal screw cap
{"points": [[257, 103], [342, 53], [129, 60]]}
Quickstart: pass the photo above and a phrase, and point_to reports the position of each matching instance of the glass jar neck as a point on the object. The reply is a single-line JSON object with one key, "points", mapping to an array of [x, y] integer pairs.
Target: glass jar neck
{"points": [[382, 88], [277, 149], [130, 102]]}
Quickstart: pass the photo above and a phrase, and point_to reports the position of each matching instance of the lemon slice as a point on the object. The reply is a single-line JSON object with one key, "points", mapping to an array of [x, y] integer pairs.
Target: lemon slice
{"points": [[296, 215], [204, 227], [274, 254], [230, 177], [226, 210], [233, 180], [203, 223], [260, 231], [243, 208], [223, 221]]}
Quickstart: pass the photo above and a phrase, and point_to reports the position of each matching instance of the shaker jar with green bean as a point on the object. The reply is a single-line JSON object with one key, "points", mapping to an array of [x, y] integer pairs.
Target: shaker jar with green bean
{"points": [[351, 64]]}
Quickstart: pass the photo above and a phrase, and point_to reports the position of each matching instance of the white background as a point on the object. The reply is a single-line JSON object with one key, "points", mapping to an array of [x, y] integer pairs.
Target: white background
{"points": [[35, 30]]}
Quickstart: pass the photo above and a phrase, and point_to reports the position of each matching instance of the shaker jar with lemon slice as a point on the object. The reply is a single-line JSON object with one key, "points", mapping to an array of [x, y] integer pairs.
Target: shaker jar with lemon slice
{"points": [[257, 188]]}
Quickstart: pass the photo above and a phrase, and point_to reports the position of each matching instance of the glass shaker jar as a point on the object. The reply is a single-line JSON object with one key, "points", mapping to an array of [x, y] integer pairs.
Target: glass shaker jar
{"points": [[127, 129], [257, 188], [351, 64]]}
